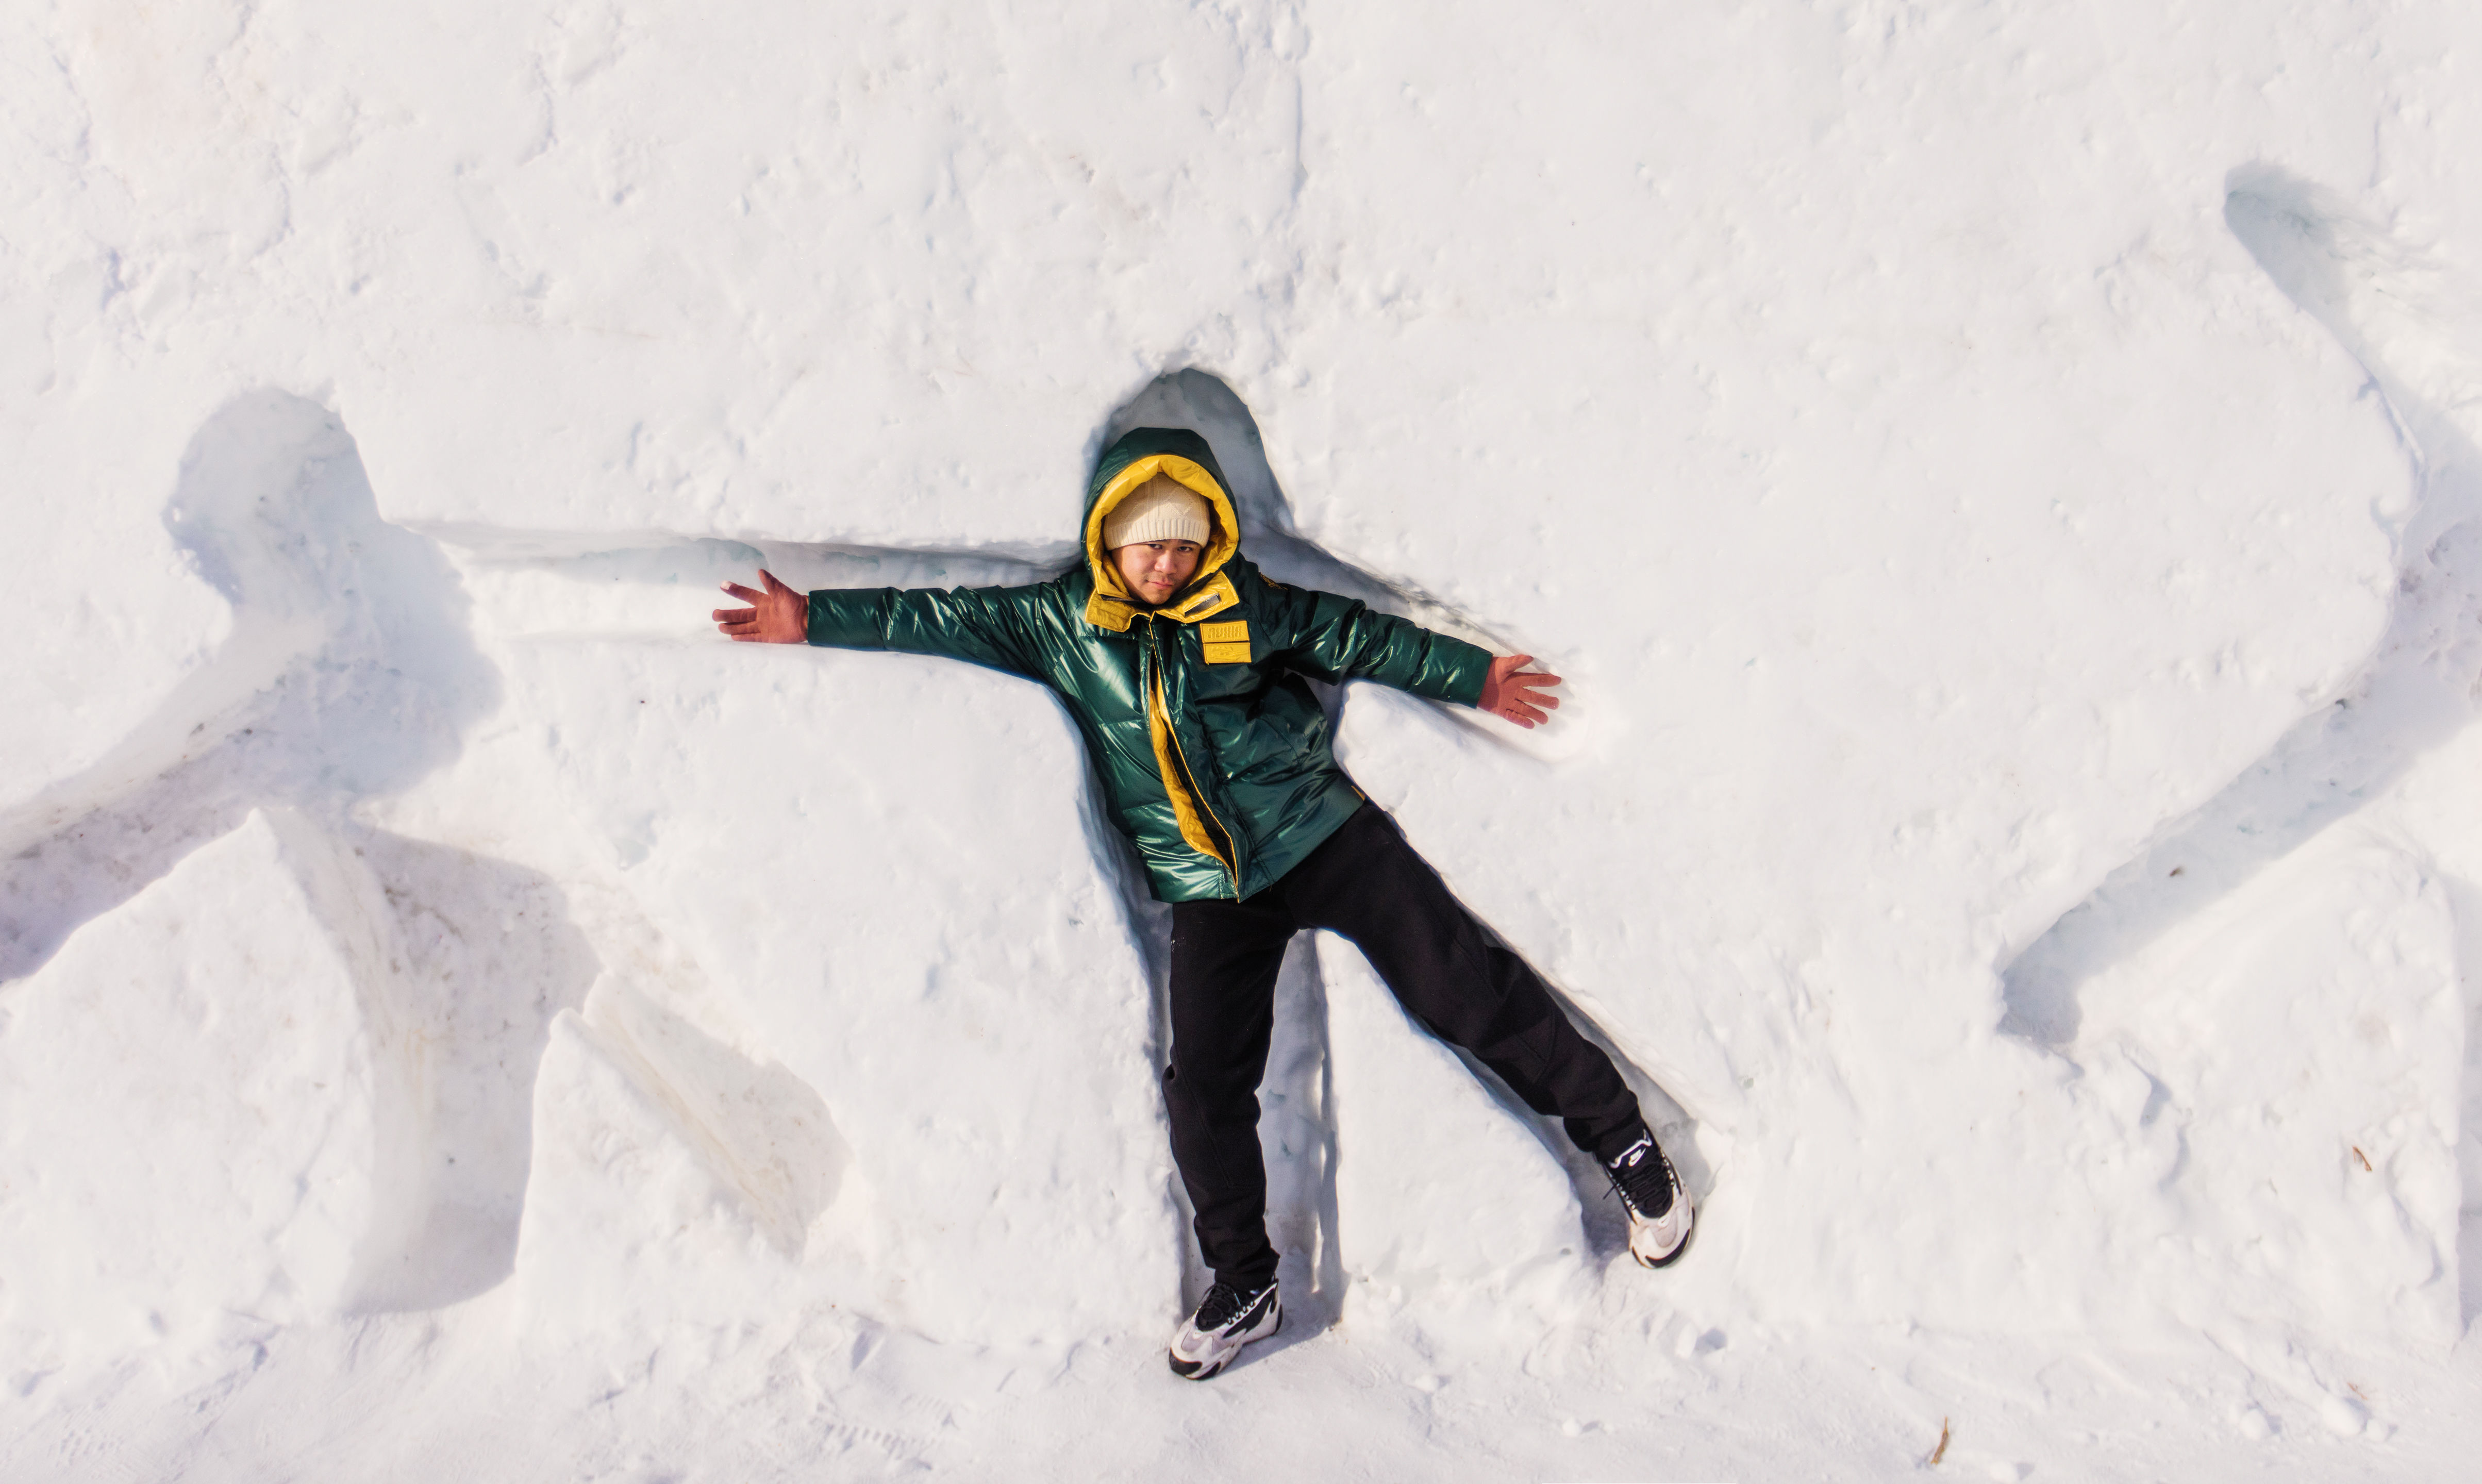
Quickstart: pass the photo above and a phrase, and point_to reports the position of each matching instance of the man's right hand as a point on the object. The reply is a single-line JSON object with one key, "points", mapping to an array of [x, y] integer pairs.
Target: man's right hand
{"points": [[777, 616]]}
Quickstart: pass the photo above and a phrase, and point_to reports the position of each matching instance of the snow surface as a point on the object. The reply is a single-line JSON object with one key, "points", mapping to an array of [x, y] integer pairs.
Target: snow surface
{"points": [[2004, 483]]}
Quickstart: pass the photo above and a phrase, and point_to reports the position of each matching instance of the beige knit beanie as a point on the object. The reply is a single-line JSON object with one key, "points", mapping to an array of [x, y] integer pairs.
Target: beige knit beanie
{"points": [[1162, 509]]}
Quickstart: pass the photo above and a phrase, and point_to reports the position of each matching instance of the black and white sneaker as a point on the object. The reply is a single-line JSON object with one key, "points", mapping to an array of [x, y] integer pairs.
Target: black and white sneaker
{"points": [[1224, 1323], [1660, 1213]]}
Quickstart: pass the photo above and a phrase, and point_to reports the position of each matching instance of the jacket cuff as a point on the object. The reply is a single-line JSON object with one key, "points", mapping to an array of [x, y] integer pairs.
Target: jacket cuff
{"points": [[1468, 666], [844, 618]]}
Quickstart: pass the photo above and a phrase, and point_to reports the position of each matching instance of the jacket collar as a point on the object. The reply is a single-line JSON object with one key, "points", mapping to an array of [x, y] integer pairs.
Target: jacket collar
{"points": [[1203, 601]]}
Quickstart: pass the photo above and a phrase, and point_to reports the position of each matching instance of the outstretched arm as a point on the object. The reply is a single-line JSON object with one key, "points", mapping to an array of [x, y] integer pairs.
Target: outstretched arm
{"points": [[1516, 694], [776, 614], [1336, 638], [990, 626]]}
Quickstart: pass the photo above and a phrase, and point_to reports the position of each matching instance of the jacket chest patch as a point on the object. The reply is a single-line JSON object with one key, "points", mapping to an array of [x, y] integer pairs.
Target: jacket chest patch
{"points": [[1225, 644]]}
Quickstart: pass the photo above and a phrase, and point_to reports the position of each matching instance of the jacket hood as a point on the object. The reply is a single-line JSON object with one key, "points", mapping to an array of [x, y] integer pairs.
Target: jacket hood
{"points": [[1184, 458]]}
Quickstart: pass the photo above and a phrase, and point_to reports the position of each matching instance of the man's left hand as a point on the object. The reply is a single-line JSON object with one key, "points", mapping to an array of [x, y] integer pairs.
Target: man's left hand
{"points": [[1516, 694]]}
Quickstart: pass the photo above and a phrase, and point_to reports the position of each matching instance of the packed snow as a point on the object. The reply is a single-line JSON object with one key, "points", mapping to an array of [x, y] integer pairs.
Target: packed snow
{"points": [[2003, 485]]}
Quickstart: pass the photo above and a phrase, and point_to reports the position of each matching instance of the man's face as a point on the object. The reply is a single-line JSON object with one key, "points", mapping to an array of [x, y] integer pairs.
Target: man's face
{"points": [[1153, 571]]}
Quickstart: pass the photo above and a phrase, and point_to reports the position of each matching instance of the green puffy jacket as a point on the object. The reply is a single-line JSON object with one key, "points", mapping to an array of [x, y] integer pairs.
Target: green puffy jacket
{"points": [[1212, 748]]}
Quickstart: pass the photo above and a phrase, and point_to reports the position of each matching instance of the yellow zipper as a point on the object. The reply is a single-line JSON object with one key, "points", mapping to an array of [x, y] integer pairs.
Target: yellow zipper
{"points": [[1188, 774]]}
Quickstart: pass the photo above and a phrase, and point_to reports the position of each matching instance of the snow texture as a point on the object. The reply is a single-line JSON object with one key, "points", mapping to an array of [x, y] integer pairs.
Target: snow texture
{"points": [[2003, 485]]}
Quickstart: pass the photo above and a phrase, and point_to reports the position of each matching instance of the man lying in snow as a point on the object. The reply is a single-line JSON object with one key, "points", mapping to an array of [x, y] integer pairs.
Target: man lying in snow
{"points": [[1184, 669]]}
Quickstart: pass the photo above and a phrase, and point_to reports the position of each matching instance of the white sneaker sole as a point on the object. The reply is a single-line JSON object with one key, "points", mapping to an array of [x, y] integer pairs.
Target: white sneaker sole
{"points": [[1660, 1242], [1197, 1354]]}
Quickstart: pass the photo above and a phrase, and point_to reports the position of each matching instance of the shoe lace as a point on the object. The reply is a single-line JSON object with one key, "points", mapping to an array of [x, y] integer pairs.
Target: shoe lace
{"points": [[1643, 1176], [1224, 1304]]}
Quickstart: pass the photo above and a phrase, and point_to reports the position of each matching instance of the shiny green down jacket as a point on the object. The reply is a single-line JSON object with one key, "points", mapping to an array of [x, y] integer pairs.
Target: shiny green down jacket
{"points": [[1212, 748]]}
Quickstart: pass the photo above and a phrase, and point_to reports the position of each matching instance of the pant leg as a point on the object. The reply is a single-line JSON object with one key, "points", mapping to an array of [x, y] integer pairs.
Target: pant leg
{"points": [[1366, 884], [1225, 960]]}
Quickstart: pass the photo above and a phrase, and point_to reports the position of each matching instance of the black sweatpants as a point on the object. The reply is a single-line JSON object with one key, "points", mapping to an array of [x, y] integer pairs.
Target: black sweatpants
{"points": [[1366, 884]]}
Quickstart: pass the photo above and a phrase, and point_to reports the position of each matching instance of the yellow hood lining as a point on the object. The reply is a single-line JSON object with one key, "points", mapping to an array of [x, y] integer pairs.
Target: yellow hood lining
{"points": [[1111, 607]]}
